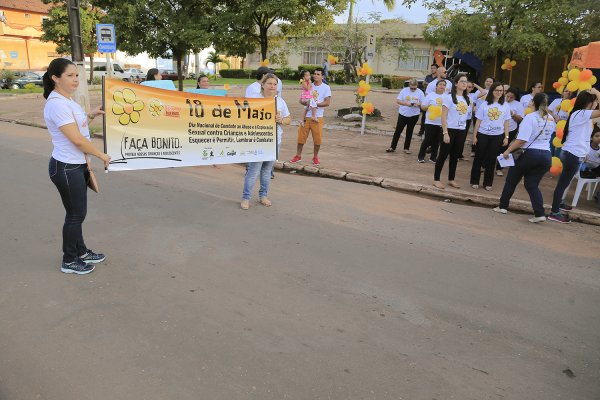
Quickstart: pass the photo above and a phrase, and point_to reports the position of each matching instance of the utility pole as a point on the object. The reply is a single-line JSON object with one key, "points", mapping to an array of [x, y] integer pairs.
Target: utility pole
{"points": [[81, 95]]}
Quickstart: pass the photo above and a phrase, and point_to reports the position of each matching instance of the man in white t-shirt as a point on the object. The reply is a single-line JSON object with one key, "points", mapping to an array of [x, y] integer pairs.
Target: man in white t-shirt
{"points": [[253, 90], [441, 74], [322, 95]]}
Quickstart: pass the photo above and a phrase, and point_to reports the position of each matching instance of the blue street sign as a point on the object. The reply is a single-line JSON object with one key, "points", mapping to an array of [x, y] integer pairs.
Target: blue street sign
{"points": [[107, 40]]}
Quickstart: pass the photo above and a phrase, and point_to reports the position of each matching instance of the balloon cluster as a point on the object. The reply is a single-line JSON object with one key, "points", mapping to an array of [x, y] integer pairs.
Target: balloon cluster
{"points": [[367, 108], [557, 166], [363, 88], [508, 64], [575, 80], [226, 86], [264, 63], [332, 59], [434, 112], [365, 70]]}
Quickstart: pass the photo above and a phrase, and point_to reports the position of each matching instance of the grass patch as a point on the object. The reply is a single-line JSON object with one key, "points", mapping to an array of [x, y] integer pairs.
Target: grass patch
{"points": [[37, 89]]}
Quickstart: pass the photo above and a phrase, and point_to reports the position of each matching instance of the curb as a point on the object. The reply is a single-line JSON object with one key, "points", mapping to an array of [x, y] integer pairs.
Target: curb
{"points": [[399, 185]]}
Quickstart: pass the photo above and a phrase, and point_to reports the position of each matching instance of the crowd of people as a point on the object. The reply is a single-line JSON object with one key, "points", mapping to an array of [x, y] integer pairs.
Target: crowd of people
{"points": [[502, 129]]}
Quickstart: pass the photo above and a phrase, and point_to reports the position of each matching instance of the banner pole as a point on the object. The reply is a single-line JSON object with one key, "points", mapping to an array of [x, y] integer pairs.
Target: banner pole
{"points": [[276, 126], [104, 121]]}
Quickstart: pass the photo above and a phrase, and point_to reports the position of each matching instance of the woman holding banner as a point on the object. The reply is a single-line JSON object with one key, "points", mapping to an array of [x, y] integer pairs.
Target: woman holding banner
{"points": [[67, 124], [264, 168]]}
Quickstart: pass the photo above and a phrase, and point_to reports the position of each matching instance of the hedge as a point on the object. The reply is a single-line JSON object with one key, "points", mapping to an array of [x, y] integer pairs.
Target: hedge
{"points": [[234, 73], [393, 82]]}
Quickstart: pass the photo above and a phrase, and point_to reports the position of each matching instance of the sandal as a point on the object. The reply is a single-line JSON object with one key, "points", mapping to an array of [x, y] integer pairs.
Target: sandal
{"points": [[475, 186], [439, 185], [245, 204], [265, 202], [453, 184], [390, 150], [489, 188]]}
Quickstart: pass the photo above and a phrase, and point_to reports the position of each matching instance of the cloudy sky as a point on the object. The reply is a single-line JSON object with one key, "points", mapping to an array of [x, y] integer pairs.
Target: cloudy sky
{"points": [[416, 14]]}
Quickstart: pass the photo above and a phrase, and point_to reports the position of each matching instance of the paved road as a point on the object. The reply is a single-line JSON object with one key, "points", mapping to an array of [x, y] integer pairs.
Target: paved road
{"points": [[338, 291]]}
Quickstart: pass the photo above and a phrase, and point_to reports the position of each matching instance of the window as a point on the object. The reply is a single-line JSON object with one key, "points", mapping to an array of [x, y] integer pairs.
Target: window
{"points": [[27, 15], [314, 55], [415, 59]]}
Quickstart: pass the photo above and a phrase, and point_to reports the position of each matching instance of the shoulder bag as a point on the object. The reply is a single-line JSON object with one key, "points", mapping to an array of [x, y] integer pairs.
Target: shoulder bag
{"points": [[520, 151]]}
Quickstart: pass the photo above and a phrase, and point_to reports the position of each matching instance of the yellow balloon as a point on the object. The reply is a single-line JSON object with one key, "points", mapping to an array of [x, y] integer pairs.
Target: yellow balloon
{"points": [[561, 124], [565, 74], [593, 80], [573, 86], [563, 81], [557, 142], [556, 162], [574, 74], [584, 86], [566, 105], [560, 89]]}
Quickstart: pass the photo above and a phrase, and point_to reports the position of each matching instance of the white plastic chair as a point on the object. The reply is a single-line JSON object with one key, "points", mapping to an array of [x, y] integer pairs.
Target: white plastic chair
{"points": [[581, 182]]}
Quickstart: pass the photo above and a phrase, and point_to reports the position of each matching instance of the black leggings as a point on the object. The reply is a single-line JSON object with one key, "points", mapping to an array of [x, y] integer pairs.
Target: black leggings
{"points": [[433, 135], [409, 123], [488, 148], [451, 149]]}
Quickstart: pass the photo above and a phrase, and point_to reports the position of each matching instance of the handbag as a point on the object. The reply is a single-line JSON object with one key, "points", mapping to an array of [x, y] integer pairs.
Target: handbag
{"points": [[92, 182], [520, 151]]}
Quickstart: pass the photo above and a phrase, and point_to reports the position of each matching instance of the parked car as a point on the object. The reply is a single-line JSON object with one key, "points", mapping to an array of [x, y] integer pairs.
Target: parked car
{"points": [[168, 74], [136, 74], [117, 72], [21, 79]]}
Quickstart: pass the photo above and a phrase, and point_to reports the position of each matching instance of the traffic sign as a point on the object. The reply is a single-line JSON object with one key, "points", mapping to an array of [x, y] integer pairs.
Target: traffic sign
{"points": [[107, 40], [370, 51]]}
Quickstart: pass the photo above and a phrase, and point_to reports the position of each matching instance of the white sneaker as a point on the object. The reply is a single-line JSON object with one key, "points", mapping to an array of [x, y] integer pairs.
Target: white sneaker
{"points": [[499, 173], [501, 210], [537, 219]]}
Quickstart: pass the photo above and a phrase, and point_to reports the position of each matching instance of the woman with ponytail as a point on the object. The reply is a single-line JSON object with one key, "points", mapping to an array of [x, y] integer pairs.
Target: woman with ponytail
{"points": [[534, 136], [576, 141], [67, 124], [455, 110]]}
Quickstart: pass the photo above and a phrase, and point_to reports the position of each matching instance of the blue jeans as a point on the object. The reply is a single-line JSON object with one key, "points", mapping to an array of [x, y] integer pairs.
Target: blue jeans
{"points": [[571, 165], [263, 168], [71, 182], [532, 166]]}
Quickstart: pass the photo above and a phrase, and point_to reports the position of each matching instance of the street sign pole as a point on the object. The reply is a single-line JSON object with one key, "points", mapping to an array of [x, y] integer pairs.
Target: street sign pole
{"points": [[370, 55], [107, 43]]}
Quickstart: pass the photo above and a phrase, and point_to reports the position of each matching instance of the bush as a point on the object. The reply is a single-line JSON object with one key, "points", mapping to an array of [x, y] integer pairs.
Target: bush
{"points": [[308, 67], [338, 76], [97, 80], [386, 82], [288, 74], [376, 78], [30, 86], [393, 82], [233, 73]]}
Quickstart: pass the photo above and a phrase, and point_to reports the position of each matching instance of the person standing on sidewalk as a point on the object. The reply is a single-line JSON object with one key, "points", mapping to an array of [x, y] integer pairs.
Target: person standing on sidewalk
{"points": [[433, 122], [264, 168], [490, 132], [68, 126], [426, 81], [534, 136], [517, 113], [322, 94], [576, 141], [533, 90], [409, 99], [455, 109], [440, 76]]}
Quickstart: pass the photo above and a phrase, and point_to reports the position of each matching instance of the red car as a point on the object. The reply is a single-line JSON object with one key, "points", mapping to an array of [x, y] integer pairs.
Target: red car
{"points": [[169, 74]]}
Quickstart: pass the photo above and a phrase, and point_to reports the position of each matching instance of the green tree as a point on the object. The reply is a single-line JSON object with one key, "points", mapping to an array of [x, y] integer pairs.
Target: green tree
{"points": [[215, 59], [250, 21], [56, 28], [160, 27]]}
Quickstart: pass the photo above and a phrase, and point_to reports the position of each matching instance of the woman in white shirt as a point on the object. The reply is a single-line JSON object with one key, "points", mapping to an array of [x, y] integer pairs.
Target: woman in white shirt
{"points": [[533, 90], [433, 126], [67, 124], [534, 137], [409, 99], [455, 109], [264, 168], [490, 132], [555, 109], [576, 143], [516, 116]]}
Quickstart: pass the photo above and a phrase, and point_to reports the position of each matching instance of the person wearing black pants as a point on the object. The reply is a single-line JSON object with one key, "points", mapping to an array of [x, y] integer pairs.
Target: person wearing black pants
{"points": [[490, 132], [409, 100], [455, 109], [516, 116], [432, 105]]}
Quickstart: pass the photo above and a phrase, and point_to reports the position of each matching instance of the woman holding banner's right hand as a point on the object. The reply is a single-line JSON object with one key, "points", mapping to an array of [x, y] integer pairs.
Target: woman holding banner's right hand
{"points": [[67, 124], [264, 168]]}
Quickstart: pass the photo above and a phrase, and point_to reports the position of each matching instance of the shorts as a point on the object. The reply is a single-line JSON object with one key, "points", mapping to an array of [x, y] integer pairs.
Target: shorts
{"points": [[316, 128]]}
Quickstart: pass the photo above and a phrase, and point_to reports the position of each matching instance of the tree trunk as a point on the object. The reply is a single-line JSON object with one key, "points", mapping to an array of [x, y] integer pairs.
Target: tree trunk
{"points": [[350, 11], [91, 56], [498, 67], [263, 42], [197, 64], [179, 72]]}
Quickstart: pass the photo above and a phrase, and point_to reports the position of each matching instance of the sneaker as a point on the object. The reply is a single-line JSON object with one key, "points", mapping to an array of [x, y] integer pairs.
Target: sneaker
{"points": [[295, 159], [92, 258], [500, 210], [499, 173], [432, 161], [565, 208], [316, 161], [420, 160], [537, 219], [78, 267], [559, 217], [406, 151]]}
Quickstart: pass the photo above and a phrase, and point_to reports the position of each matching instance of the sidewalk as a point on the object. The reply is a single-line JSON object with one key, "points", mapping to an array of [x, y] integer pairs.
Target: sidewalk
{"points": [[345, 154]]}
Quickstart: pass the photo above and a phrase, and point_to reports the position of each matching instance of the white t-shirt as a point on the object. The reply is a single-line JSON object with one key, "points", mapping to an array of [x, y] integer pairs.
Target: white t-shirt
{"points": [[59, 111], [279, 87], [413, 97], [253, 91], [433, 99], [555, 108], [285, 112], [320, 93], [525, 100], [593, 158], [580, 130], [531, 126], [457, 113], [479, 100], [518, 109], [431, 86], [492, 118]]}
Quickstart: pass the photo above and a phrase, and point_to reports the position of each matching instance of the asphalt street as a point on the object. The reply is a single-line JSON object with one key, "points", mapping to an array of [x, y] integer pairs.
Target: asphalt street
{"points": [[337, 291]]}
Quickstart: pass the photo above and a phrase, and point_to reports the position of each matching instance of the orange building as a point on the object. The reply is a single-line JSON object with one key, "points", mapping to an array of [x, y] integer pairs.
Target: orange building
{"points": [[20, 32]]}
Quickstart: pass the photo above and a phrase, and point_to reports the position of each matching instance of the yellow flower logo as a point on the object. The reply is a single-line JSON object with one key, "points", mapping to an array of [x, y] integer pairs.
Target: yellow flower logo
{"points": [[127, 106], [315, 95], [407, 98], [494, 113], [438, 101], [461, 107], [155, 107]]}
